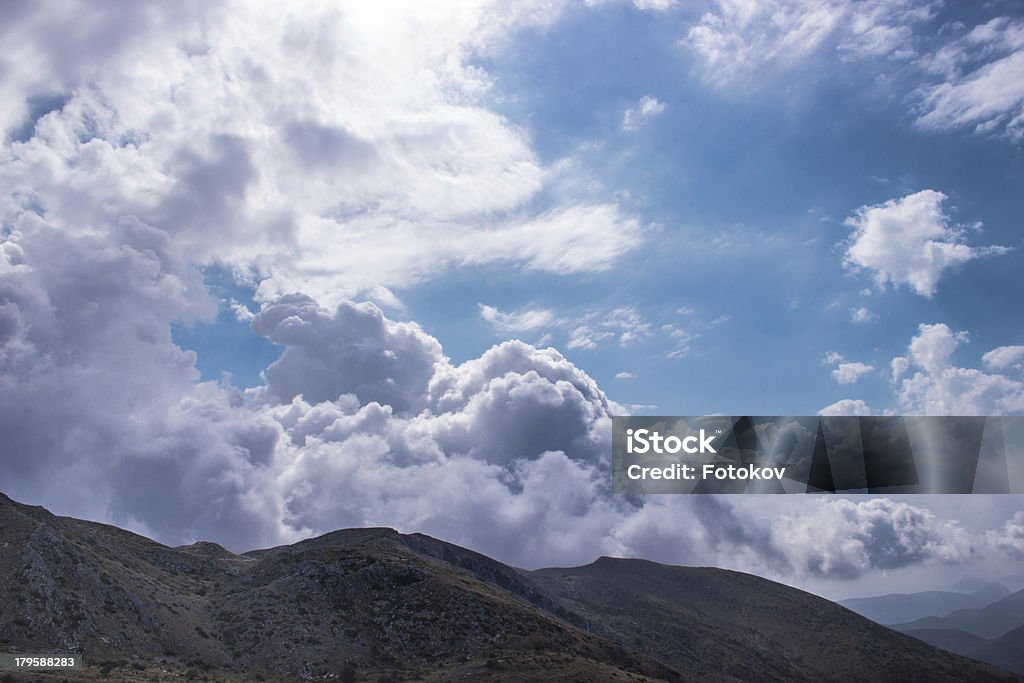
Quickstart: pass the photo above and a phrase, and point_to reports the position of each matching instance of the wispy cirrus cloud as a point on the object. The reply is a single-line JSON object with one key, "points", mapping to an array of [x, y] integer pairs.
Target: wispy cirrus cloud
{"points": [[738, 41], [982, 81]]}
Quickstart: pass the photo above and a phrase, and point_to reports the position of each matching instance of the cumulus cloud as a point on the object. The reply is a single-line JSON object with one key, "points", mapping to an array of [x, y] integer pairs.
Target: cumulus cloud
{"points": [[844, 538], [145, 144], [1010, 538], [362, 421], [647, 108], [938, 387], [1004, 357], [847, 406], [862, 315], [909, 241], [352, 350], [926, 380], [385, 169], [848, 373]]}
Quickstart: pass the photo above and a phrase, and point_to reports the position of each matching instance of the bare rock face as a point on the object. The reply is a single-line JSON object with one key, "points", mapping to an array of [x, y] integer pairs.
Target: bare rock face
{"points": [[373, 604]]}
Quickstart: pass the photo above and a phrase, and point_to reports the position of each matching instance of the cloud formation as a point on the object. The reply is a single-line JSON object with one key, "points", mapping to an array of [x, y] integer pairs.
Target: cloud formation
{"points": [[739, 40], [958, 77], [517, 322], [926, 381], [647, 108], [371, 176], [847, 406], [909, 241], [1010, 538], [982, 84], [145, 144], [844, 538], [938, 387], [848, 373], [1004, 358]]}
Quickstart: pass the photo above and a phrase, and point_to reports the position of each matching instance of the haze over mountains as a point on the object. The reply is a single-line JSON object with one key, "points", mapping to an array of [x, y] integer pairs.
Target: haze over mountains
{"points": [[896, 608], [373, 604], [986, 623]]}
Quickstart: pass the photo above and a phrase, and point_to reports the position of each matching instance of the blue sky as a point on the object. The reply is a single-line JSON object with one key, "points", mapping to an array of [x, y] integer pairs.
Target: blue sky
{"points": [[272, 270]]}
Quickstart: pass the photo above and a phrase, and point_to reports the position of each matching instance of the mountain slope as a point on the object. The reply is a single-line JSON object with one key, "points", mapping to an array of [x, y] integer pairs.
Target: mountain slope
{"points": [[959, 642], [357, 600], [1006, 651], [372, 604], [725, 625], [898, 608]]}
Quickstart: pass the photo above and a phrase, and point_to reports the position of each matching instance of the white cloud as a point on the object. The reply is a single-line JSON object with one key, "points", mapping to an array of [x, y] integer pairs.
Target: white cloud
{"points": [[844, 539], [353, 350], [241, 311], [1004, 357], [654, 5], [623, 324], [938, 387], [927, 382], [584, 337], [625, 375], [740, 40], [1010, 538], [385, 169], [848, 373], [862, 315], [647, 108], [909, 241], [517, 322], [169, 150], [847, 406], [974, 80], [362, 421], [982, 82]]}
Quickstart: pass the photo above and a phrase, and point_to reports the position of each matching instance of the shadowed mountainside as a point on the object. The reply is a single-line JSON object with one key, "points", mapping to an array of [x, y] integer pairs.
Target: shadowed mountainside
{"points": [[372, 604]]}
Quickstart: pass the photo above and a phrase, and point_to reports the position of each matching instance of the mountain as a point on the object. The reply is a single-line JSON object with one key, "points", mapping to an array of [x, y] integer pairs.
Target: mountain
{"points": [[898, 608], [969, 584], [719, 624], [1006, 651], [960, 642], [990, 621], [373, 604]]}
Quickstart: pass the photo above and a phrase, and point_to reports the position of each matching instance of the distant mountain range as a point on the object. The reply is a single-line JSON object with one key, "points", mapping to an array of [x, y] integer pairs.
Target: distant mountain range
{"points": [[897, 608], [376, 605], [985, 624], [993, 633]]}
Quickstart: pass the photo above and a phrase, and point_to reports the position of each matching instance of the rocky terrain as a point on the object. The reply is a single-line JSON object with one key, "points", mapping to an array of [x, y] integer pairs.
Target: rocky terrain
{"points": [[375, 605]]}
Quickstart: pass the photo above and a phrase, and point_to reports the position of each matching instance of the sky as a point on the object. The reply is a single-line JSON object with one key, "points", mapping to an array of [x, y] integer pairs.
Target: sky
{"points": [[267, 271]]}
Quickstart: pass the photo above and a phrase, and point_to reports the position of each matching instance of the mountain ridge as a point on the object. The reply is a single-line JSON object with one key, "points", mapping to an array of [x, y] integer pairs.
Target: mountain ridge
{"points": [[374, 604]]}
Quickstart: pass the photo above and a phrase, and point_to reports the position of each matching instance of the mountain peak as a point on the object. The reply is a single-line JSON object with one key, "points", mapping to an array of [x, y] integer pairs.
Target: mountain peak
{"points": [[413, 607]]}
